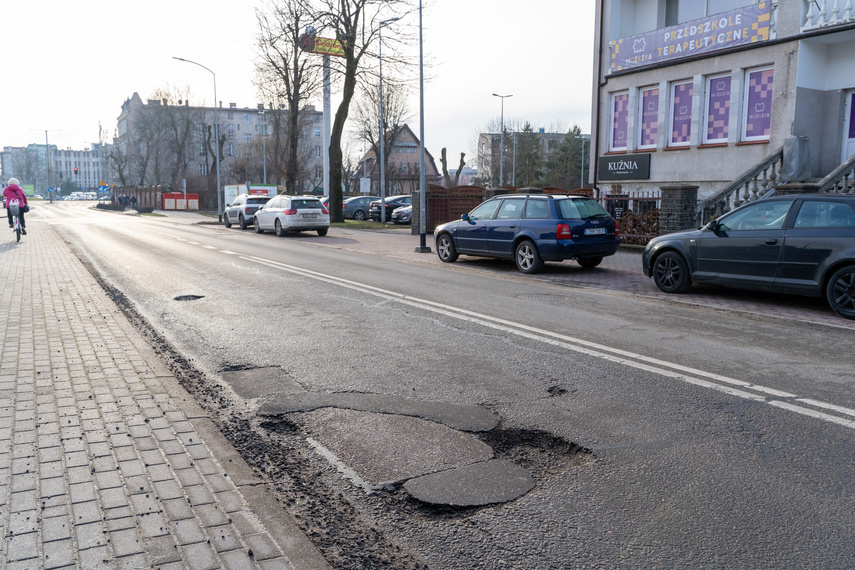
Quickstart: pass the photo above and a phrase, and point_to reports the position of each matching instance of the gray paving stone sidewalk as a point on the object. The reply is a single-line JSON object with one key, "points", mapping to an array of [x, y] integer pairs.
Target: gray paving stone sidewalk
{"points": [[105, 460]]}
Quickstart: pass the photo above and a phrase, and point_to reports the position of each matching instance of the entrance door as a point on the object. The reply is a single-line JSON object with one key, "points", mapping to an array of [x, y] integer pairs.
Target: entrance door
{"points": [[849, 127]]}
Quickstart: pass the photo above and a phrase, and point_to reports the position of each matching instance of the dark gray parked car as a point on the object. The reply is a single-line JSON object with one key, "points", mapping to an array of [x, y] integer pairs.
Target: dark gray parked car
{"points": [[356, 207], [799, 244]]}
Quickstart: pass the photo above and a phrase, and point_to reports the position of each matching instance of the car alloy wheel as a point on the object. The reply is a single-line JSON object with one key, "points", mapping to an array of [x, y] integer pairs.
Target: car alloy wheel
{"points": [[841, 292], [445, 249], [359, 215], [242, 221], [226, 221], [257, 226], [528, 258], [277, 225], [670, 273]]}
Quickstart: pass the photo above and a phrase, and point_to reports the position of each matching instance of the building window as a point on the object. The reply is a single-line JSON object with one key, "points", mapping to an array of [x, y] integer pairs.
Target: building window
{"points": [[405, 168], [317, 131], [649, 113], [318, 172], [619, 121], [201, 128], [681, 114], [231, 115], [202, 149], [247, 119], [203, 169], [231, 149], [247, 137], [757, 111], [231, 129], [317, 152], [717, 109]]}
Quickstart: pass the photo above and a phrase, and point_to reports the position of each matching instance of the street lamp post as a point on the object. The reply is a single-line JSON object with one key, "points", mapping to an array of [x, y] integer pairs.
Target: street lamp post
{"points": [[264, 142], [382, 129], [502, 140], [216, 134], [422, 247]]}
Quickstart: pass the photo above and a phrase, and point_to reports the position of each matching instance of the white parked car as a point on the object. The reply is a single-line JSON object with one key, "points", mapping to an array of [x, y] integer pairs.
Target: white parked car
{"points": [[292, 214]]}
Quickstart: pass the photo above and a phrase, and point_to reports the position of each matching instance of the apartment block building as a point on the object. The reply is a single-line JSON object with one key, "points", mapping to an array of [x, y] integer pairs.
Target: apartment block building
{"points": [[707, 92], [159, 143], [46, 166]]}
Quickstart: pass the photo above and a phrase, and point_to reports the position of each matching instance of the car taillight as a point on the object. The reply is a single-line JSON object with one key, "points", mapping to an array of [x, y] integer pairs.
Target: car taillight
{"points": [[324, 210], [617, 230], [564, 232], [290, 212]]}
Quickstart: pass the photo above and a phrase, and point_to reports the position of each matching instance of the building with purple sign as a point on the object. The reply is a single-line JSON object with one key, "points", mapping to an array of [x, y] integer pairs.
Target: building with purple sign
{"points": [[710, 89]]}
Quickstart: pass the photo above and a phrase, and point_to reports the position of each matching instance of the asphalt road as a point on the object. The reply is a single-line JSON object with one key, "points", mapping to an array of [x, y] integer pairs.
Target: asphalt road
{"points": [[657, 433]]}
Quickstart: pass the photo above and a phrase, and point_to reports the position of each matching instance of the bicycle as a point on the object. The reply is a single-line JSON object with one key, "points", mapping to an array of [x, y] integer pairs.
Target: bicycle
{"points": [[15, 208]]}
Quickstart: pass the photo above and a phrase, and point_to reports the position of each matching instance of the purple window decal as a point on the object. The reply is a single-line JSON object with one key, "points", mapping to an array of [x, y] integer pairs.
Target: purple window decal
{"points": [[718, 105], [852, 117], [620, 114], [649, 117], [759, 113], [681, 112]]}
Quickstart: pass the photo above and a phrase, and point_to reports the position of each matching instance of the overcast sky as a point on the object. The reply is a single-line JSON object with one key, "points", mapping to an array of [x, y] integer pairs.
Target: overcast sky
{"points": [[68, 66]]}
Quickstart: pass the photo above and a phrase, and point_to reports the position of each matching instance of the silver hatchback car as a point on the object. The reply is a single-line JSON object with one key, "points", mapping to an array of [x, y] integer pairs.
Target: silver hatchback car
{"points": [[284, 214]]}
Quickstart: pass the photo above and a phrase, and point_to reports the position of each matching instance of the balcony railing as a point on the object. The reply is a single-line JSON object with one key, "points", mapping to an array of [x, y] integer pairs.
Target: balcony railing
{"points": [[825, 13]]}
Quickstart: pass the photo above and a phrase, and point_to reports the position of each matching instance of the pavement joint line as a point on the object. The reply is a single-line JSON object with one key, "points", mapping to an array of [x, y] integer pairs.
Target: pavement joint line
{"points": [[77, 425]]}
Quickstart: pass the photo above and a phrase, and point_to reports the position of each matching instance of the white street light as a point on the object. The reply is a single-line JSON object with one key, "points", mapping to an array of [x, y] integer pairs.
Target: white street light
{"points": [[382, 128], [502, 141], [216, 134]]}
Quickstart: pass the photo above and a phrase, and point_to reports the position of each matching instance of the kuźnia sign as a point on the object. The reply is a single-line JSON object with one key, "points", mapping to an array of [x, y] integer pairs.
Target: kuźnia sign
{"points": [[624, 167]]}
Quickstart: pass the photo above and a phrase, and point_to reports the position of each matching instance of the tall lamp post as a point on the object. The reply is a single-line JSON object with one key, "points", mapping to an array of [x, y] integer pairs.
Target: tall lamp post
{"points": [[422, 247], [216, 134], [502, 140], [264, 142], [382, 128]]}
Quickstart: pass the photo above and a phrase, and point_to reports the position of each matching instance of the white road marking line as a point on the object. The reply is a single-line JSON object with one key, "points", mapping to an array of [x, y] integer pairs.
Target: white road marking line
{"points": [[639, 361], [675, 371]]}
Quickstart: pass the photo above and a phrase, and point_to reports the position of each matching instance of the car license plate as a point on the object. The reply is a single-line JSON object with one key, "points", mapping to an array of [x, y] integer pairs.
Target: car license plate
{"points": [[595, 231], [310, 215]]}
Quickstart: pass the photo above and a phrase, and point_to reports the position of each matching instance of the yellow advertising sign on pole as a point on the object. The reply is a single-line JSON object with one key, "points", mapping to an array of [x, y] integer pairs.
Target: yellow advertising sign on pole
{"points": [[325, 46]]}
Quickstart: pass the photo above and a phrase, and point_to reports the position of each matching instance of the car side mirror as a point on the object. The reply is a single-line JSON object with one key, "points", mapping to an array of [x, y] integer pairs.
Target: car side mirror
{"points": [[713, 226], [464, 217]]}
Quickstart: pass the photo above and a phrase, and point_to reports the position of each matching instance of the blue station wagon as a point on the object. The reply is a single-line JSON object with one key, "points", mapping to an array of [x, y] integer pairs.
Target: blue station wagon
{"points": [[531, 229]]}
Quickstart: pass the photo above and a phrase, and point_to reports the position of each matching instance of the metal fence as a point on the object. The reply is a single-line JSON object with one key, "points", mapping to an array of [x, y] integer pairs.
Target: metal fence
{"points": [[637, 214]]}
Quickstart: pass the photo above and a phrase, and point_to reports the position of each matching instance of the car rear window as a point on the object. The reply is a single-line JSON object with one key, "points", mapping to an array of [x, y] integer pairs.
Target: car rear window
{"points": [[257, 201], [580, 209], [306, 204]]}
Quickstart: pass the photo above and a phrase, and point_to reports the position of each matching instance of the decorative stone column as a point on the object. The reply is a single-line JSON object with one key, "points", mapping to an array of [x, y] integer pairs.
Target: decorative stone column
{"points": [[678, 208]]}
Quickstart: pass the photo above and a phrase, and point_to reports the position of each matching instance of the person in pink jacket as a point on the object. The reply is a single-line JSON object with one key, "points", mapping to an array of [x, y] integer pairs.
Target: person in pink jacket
{"points": [[14, 192]]}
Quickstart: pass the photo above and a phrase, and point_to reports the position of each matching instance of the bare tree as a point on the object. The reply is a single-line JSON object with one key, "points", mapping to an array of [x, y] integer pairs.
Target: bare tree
{"points": [[446, 178], [286, 76], [28, 165], [355, 23], [395, 114]]}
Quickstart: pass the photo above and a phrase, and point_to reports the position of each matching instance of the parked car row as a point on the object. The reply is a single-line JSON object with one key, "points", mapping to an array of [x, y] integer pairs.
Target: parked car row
{"points": [[391, 203], [280, 214], [797, 244]]}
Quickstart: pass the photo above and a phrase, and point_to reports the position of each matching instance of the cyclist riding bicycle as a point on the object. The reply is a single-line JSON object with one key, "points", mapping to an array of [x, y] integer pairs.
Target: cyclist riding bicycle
{"points": [[14, 192]]}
